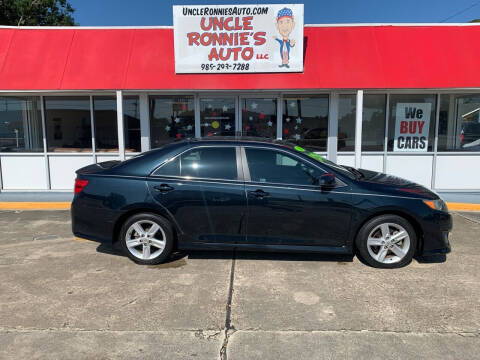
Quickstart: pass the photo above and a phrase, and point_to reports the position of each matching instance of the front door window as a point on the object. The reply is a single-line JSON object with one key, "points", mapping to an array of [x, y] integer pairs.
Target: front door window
{"points": [[267, 166]]}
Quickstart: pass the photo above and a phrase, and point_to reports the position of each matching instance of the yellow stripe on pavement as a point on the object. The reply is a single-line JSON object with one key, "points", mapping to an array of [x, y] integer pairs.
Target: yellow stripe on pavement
{"points": [[44, 205], [463, 206]]}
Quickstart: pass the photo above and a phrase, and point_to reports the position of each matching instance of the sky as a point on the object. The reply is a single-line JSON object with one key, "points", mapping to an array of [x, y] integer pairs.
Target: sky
{"points": [[159, 12]]}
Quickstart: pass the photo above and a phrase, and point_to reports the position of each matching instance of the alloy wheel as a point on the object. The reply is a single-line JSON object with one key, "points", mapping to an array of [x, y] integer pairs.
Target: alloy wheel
{"points": [[145, 239], [388, 243]]}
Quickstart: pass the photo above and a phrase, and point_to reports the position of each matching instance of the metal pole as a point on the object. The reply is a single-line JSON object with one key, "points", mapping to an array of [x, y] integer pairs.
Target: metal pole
{"points": [[121, 139], [358, 129], [144, 123], [332, 127]]}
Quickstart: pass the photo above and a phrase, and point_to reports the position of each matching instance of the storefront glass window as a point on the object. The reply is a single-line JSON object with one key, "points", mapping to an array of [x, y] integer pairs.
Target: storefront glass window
{"points": [[411, 126], [305, 120], [459, 123], [20, 124], [217, 117], [373, 122], [68, 123], [171, 118], [105, 120], [131, 115], [259, 117], [346, 122]]}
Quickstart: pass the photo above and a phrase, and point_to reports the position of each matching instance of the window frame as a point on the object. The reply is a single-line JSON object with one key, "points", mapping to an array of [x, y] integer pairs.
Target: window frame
{"points": [[153, 96], [89, 151], [299, 95], [240, 174]]}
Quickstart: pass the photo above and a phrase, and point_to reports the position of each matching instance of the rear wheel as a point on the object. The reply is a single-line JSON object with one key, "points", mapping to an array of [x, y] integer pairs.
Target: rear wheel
{"points": [[387, 241], [147, 238]]}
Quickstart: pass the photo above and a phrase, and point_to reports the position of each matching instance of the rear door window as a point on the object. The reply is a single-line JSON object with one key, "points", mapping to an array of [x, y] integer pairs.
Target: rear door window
{"points": [[271, 166], [204, 162]]}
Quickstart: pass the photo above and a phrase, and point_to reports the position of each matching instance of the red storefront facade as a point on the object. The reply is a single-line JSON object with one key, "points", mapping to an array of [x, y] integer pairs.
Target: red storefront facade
{"points": [[72, 96]]}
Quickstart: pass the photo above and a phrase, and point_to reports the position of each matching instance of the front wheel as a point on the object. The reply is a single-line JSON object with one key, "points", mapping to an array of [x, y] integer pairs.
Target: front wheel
{"points": [[387, 241], [147, 238]]}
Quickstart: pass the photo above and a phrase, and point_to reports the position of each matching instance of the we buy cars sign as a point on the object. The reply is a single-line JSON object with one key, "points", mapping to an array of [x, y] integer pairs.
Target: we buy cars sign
{"points": [[412, 126], [238, 38]]}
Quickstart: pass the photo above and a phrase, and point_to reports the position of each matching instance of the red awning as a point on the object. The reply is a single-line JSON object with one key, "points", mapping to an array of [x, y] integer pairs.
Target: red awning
{"points": [[336, 57]]}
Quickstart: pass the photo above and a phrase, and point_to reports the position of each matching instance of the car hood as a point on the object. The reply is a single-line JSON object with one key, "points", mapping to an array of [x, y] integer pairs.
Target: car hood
{"points": [[393, 184]]}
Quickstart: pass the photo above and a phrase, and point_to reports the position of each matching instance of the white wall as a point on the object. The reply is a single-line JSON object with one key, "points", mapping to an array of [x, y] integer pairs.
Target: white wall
{"points": [[23, 172], [372, 162], [348, 160], [62, 170], [417, 168], [455, 172]]}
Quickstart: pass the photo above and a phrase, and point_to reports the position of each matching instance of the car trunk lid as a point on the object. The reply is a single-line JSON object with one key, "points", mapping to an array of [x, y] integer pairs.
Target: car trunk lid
{"points": [[97, 168]]}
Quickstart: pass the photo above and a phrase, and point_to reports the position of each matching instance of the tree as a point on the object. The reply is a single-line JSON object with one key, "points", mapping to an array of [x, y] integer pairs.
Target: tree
{"points": [[36, 13]]}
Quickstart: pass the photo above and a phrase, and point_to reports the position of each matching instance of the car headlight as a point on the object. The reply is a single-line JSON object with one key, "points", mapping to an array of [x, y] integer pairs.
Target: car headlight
{"points": [[436, 204]]}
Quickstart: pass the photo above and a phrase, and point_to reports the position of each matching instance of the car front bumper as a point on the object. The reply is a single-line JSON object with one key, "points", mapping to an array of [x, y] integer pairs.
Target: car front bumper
{"points": [[436, 229]]}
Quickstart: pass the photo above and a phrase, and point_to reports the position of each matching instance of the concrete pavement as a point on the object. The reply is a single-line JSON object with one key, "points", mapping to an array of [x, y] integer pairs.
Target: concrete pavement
{"points": [[63, 298]]}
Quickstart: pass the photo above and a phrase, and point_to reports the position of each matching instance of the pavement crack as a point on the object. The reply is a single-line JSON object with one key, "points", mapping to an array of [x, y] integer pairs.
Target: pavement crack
{"points": [[229, 329], [475, 221]]}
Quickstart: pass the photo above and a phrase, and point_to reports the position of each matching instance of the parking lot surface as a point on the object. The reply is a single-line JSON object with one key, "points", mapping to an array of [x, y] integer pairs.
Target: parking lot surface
{"points": [[69, 298]]}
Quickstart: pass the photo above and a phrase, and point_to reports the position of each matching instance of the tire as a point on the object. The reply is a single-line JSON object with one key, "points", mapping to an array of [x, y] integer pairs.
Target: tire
{"points": [[388, 252], [142, 231]]}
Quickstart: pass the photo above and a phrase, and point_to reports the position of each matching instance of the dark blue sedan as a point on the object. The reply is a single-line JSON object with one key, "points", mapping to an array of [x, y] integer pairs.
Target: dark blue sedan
{"points": [[251, 194]]}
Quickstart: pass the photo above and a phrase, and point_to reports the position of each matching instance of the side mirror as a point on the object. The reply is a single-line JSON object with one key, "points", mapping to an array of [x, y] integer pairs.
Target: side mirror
{"points": [[327, 180]]}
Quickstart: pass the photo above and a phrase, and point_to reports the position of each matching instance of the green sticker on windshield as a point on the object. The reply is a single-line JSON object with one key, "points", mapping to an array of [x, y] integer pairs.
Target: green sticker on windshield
{"points": [[316, 156], [309, 153]]}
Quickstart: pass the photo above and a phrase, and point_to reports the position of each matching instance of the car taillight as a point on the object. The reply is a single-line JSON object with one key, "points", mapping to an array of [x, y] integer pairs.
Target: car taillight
{"points": [[80, 185]]}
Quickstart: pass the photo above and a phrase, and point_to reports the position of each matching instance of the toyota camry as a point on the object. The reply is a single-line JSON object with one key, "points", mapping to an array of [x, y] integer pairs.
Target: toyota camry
{"points": [[256, 195]]}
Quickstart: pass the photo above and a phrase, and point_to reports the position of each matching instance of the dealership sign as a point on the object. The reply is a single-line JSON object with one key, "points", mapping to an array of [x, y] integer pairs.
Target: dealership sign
{"points": [[412, 126], [238, 38]]}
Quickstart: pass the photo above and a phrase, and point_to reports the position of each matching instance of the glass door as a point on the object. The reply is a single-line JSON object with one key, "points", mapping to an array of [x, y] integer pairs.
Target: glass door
{"points": [[238, 115], [217, 116], [258, 116]]}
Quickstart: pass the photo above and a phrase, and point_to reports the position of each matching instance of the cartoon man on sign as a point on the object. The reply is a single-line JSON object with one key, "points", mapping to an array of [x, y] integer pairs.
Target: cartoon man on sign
{"points": [[285, 25]]}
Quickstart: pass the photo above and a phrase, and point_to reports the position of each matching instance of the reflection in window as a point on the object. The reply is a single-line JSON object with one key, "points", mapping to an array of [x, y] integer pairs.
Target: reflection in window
{"points": [[459, 123], [275, 167], [305, 120], [347, 108], [20, 124], [68, 123], [105, 120], [171, 118], [207, 162], [131, 115], [373, 123], [259, 117], [406, 140], [217, 117]]}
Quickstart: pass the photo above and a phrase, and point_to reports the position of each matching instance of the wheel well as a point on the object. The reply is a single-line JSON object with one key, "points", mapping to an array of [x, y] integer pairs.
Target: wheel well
{"points": [[121, 220], [409, 218]]}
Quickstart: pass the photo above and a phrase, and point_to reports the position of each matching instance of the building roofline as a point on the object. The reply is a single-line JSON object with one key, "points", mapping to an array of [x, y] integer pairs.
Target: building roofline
{"points": [[171, 27]]}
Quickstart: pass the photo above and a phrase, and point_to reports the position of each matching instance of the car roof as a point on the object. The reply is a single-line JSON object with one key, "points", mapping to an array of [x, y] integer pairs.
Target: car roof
{"points": [[237, 140]]}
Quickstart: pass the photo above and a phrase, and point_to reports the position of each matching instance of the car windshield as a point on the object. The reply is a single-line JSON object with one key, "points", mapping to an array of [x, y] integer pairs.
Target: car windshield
{"points": [[352, 173]]}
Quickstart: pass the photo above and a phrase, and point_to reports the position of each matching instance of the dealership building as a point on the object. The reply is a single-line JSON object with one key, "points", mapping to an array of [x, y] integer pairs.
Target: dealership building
{"points": [[400, 99]]}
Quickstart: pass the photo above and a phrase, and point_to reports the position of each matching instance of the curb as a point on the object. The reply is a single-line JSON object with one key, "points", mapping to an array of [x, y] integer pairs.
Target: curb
{"points": [[65, 205]]}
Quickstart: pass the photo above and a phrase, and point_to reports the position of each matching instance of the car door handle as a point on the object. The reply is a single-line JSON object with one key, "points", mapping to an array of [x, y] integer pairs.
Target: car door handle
{"points": [[258, 193], [163, 188]]}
